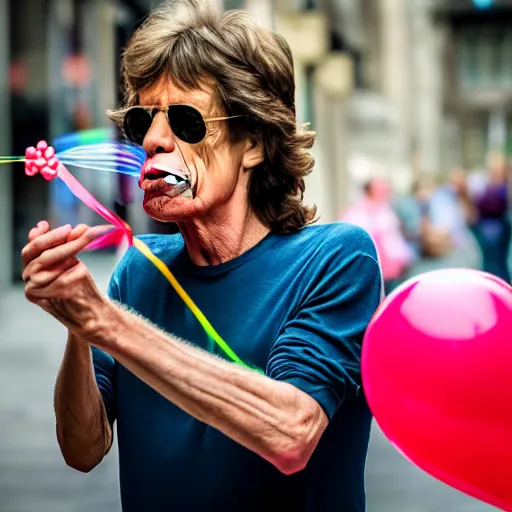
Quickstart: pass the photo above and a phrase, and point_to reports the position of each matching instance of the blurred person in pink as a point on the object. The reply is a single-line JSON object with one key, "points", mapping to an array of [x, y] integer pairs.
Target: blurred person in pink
{"points": [[374, 213]]}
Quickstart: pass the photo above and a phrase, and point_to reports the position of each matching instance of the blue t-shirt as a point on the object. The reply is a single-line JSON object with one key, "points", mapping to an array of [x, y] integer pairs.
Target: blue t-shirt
{"points": [[295, 305]]}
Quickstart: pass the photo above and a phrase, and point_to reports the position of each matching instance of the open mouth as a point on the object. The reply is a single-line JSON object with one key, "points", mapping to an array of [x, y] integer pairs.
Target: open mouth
{"points": [[178, 183], [168, 177]]}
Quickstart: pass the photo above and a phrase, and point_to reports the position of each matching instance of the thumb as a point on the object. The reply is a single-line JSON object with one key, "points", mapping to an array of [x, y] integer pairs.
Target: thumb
{"points": [[93, 232], [77, 232]]}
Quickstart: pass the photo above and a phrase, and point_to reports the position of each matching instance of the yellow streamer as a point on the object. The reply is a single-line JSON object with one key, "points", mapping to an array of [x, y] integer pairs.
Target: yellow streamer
{"points": [[207, 326]]}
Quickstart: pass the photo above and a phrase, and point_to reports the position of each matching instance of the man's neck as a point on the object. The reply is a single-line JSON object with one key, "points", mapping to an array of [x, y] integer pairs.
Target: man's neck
{"points": [[220, 238]]}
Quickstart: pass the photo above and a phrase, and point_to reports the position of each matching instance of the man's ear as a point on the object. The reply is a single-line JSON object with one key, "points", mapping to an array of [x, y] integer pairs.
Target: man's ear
{"points": [[253, 153]]}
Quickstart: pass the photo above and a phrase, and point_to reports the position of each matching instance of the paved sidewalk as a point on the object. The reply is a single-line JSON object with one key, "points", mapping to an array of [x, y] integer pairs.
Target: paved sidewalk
{"points": [[33, 476]]}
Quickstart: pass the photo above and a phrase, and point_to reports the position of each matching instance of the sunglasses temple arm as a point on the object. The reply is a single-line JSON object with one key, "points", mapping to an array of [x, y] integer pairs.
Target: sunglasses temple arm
{"points": [[220, 118]]}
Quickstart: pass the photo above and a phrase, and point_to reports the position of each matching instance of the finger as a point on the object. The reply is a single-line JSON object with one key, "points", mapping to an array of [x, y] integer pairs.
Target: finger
{"points": [[80, 229], [77, 232], [46, 277], [41, 228], [43, 242], [43, 303], [57, 255], [61, 288]]}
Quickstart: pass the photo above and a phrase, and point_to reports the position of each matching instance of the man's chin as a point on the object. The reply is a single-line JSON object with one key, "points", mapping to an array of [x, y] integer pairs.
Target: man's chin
{"points": [[165, 209]]}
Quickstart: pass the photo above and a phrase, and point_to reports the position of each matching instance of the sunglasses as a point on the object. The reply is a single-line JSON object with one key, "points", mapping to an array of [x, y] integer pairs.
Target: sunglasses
{"points": [[186, 122]]}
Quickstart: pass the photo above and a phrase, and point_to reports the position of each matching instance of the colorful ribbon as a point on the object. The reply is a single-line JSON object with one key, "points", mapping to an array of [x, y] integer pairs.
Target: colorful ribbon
{"points": [[44, 160]]}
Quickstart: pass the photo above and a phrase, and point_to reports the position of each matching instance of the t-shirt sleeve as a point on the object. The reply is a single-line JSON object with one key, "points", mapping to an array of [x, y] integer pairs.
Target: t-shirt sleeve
{"points": [[319, 348], [105, 365]]}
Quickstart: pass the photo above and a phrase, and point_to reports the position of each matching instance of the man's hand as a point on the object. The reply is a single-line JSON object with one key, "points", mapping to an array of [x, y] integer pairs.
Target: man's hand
{"points": [[56, 280]]}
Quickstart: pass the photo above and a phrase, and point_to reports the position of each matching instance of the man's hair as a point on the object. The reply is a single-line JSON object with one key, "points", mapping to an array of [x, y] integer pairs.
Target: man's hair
{"points": [[193, 43]]}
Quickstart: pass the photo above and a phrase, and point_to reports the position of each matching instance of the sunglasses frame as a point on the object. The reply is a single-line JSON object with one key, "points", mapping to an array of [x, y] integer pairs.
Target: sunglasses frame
{"points": [[153, 110]]}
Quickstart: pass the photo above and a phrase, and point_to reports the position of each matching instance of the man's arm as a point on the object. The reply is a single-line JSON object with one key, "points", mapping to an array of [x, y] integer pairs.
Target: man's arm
{"points": [[269, 416], [274, 419], [83, 430]]}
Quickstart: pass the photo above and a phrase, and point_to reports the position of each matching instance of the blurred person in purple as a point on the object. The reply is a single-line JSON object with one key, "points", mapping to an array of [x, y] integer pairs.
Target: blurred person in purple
{"points": [[492, 226], [374, 213]]}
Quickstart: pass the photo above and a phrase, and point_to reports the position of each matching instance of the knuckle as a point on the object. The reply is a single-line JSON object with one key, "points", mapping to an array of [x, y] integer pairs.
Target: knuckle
{"points": [[45, 259], [29, 293], [40, 279], [31, 251], [82, 274], [36, 245], [81, 228], [67, 281], [25, 252], [77, 232]]}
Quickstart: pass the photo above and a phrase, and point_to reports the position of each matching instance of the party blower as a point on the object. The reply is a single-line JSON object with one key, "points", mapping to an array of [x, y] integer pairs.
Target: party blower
{"points": [[96, 150]]}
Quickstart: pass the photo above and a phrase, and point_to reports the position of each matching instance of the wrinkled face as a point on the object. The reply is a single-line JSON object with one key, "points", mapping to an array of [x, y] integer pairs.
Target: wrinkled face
{"points": [[212, 168]]}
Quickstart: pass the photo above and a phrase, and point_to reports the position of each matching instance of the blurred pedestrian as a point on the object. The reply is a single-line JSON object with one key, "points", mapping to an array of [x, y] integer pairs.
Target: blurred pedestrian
{"points": [[374, 213], [451, 210], [492, 226]]}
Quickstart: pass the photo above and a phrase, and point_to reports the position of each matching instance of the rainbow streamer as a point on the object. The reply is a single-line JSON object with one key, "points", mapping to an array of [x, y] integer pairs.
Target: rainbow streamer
{"points": [[205, 324], [94, 149], [11, 160]]}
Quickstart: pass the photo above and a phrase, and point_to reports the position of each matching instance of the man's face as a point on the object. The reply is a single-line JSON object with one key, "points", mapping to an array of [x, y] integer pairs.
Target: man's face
{"points": [[214, 166]]}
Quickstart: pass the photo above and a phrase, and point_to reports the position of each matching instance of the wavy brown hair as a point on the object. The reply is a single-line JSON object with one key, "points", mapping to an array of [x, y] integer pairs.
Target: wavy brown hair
{"points": [[192, 42]]}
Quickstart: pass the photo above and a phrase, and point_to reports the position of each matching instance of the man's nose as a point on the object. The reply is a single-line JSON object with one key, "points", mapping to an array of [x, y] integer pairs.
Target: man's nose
{"points": [[159, 138]]}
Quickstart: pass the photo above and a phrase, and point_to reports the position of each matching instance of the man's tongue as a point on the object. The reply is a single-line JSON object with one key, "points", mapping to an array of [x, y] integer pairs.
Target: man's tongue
{"points": [[168, 168]]}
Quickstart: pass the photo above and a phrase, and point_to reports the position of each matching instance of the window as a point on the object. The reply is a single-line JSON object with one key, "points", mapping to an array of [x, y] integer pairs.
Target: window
{"points": [[484, 56]]}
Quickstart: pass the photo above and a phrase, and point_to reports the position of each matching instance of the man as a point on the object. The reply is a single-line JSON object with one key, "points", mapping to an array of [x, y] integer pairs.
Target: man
{"points": [[211, 99]]}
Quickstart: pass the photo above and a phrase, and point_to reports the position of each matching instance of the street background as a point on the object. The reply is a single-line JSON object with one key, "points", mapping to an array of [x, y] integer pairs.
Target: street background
{"points": [[34, 478], [411, 101]]}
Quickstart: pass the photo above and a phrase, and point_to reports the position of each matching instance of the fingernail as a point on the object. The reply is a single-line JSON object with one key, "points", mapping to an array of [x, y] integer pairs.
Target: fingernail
{"points": [[40, 224]]}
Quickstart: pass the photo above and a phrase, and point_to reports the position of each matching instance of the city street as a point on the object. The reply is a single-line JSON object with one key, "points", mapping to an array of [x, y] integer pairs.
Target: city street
{"points": [[33, 477]]}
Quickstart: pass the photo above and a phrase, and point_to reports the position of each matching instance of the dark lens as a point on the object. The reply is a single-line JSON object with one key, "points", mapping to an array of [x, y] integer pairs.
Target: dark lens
{"points": [[137, 123], [187, 123]]}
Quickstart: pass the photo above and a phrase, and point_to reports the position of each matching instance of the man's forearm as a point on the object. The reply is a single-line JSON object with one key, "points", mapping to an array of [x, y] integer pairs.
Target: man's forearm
{"points": [[273, 419], [83, 431]]}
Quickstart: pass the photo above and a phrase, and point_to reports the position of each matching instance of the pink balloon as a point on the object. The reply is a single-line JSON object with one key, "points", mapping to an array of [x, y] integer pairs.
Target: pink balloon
{"points": [[437, 372]]}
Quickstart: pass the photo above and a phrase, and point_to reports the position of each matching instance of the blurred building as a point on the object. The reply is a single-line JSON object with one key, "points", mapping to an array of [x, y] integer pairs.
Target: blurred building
{"points": [[476, 54], [403, 88], [393, 88], [59, 63]]}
